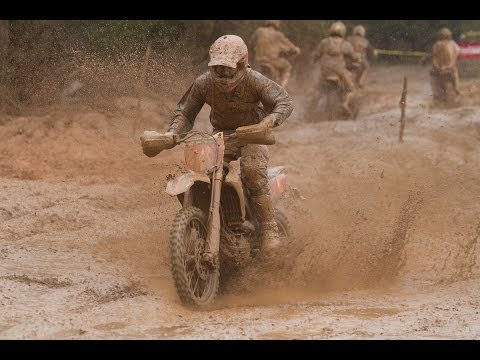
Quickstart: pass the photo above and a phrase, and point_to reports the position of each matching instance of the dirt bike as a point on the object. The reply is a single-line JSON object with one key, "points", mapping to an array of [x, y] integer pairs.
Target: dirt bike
{"points": [[443, 88], [217, 225], [328, 105]]}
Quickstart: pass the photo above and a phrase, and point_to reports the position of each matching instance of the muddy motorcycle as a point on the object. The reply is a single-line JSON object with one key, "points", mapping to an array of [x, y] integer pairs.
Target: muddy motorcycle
{"points": [[217, 226], [330, 104], [326, 105], [356, 69], [443, 88]]}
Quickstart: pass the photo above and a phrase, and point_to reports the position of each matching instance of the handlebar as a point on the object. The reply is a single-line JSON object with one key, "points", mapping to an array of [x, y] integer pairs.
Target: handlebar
{"points": [[153, 142], [180, 138], [251, 134]]}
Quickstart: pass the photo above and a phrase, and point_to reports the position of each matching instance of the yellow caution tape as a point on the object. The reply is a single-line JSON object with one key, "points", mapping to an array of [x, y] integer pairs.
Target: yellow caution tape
{"points": [[470, 33], [400, 52]]}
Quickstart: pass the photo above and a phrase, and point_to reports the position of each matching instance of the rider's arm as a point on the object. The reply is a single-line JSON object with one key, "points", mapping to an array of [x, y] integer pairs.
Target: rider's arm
{"points": [[189, 106], [371, 53], [457, 50], [274, 98], [350, 53], [435, 51]]}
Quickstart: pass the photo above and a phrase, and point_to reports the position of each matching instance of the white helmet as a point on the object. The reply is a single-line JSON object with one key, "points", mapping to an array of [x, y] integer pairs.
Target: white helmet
{"points": [[444, 34], [359, 30], [338, 28], [274, 23], [228, 50]]}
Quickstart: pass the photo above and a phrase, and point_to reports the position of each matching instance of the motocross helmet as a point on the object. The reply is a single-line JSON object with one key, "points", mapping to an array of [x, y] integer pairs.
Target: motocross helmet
{"points": [[274, 23], [338, 29], [444, 34], [228, 61], [359, 30]]}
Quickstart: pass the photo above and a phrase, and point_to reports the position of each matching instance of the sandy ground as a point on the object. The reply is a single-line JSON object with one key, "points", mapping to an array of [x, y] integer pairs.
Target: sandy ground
{"points": [[386, 233]]}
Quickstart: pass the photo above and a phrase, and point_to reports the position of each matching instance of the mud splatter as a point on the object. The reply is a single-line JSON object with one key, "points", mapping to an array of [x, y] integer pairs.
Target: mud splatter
{"points": [[50, 282]]}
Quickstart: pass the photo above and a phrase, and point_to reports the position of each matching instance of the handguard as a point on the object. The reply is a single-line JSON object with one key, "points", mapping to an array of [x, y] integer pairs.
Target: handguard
{"points": [[260, 133], [153, 142]]}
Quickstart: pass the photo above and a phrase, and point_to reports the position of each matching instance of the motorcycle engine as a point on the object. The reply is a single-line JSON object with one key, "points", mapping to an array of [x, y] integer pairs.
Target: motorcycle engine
{"points": [[234, 247]]}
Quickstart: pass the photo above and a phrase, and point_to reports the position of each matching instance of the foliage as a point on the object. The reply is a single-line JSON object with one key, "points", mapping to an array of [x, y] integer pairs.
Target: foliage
{"points": [[42, 54]]}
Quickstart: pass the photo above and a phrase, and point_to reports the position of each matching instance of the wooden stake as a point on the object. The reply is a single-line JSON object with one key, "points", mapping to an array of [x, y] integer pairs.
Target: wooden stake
{"points": [[4, 40], [403, 103]]}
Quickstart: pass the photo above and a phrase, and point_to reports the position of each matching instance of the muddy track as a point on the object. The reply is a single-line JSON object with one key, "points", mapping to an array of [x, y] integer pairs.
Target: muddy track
{"points": [[386, 234]]}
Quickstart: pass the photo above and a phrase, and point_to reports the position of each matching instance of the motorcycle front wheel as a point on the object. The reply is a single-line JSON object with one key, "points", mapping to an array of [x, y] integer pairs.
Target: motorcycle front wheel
{"points": [[196, 285]]}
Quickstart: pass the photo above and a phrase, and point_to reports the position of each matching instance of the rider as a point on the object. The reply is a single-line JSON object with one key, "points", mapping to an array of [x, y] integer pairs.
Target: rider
{"points": [[269, 46], [363, 47], [238, 96], [444, 55], [332, 52]]}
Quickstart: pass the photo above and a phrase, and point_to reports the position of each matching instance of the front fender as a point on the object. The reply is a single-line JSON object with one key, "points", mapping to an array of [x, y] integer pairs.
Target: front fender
{"points": [[184, 182]]}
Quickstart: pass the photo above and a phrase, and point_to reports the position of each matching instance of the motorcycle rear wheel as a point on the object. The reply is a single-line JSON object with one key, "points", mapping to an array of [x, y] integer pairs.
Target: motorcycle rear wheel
{"points": [[450, 95], [333, 103], [196, 285], [284, 230]]}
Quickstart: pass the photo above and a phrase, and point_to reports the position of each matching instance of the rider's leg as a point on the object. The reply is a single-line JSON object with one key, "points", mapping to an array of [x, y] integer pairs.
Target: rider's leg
{"points": [[284, 71], [362, 78], [456, 81], [253, 167], [435, 84], [346, 76]]}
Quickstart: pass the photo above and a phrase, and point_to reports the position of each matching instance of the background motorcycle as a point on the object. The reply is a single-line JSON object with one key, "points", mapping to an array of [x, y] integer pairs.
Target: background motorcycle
{"points": [[443, 88], [326, 103]]}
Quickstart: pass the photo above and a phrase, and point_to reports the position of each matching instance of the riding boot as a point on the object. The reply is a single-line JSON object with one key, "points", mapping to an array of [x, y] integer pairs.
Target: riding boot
{"points": [[362, 79], [346, 103], [268, 226], [455, 83]]}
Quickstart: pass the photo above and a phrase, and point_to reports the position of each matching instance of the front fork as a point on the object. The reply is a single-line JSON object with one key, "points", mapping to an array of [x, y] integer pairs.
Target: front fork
{"points": [[212, 246]]}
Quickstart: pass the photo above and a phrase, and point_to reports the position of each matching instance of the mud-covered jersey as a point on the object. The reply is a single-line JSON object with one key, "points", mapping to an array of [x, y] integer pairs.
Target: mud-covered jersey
{"points": [[253, 98], [445, 54], [332, 52], [361, 45]]}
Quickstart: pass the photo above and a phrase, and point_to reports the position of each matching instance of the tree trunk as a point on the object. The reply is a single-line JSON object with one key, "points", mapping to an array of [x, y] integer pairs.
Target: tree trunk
{"points": [[4, 37]]}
